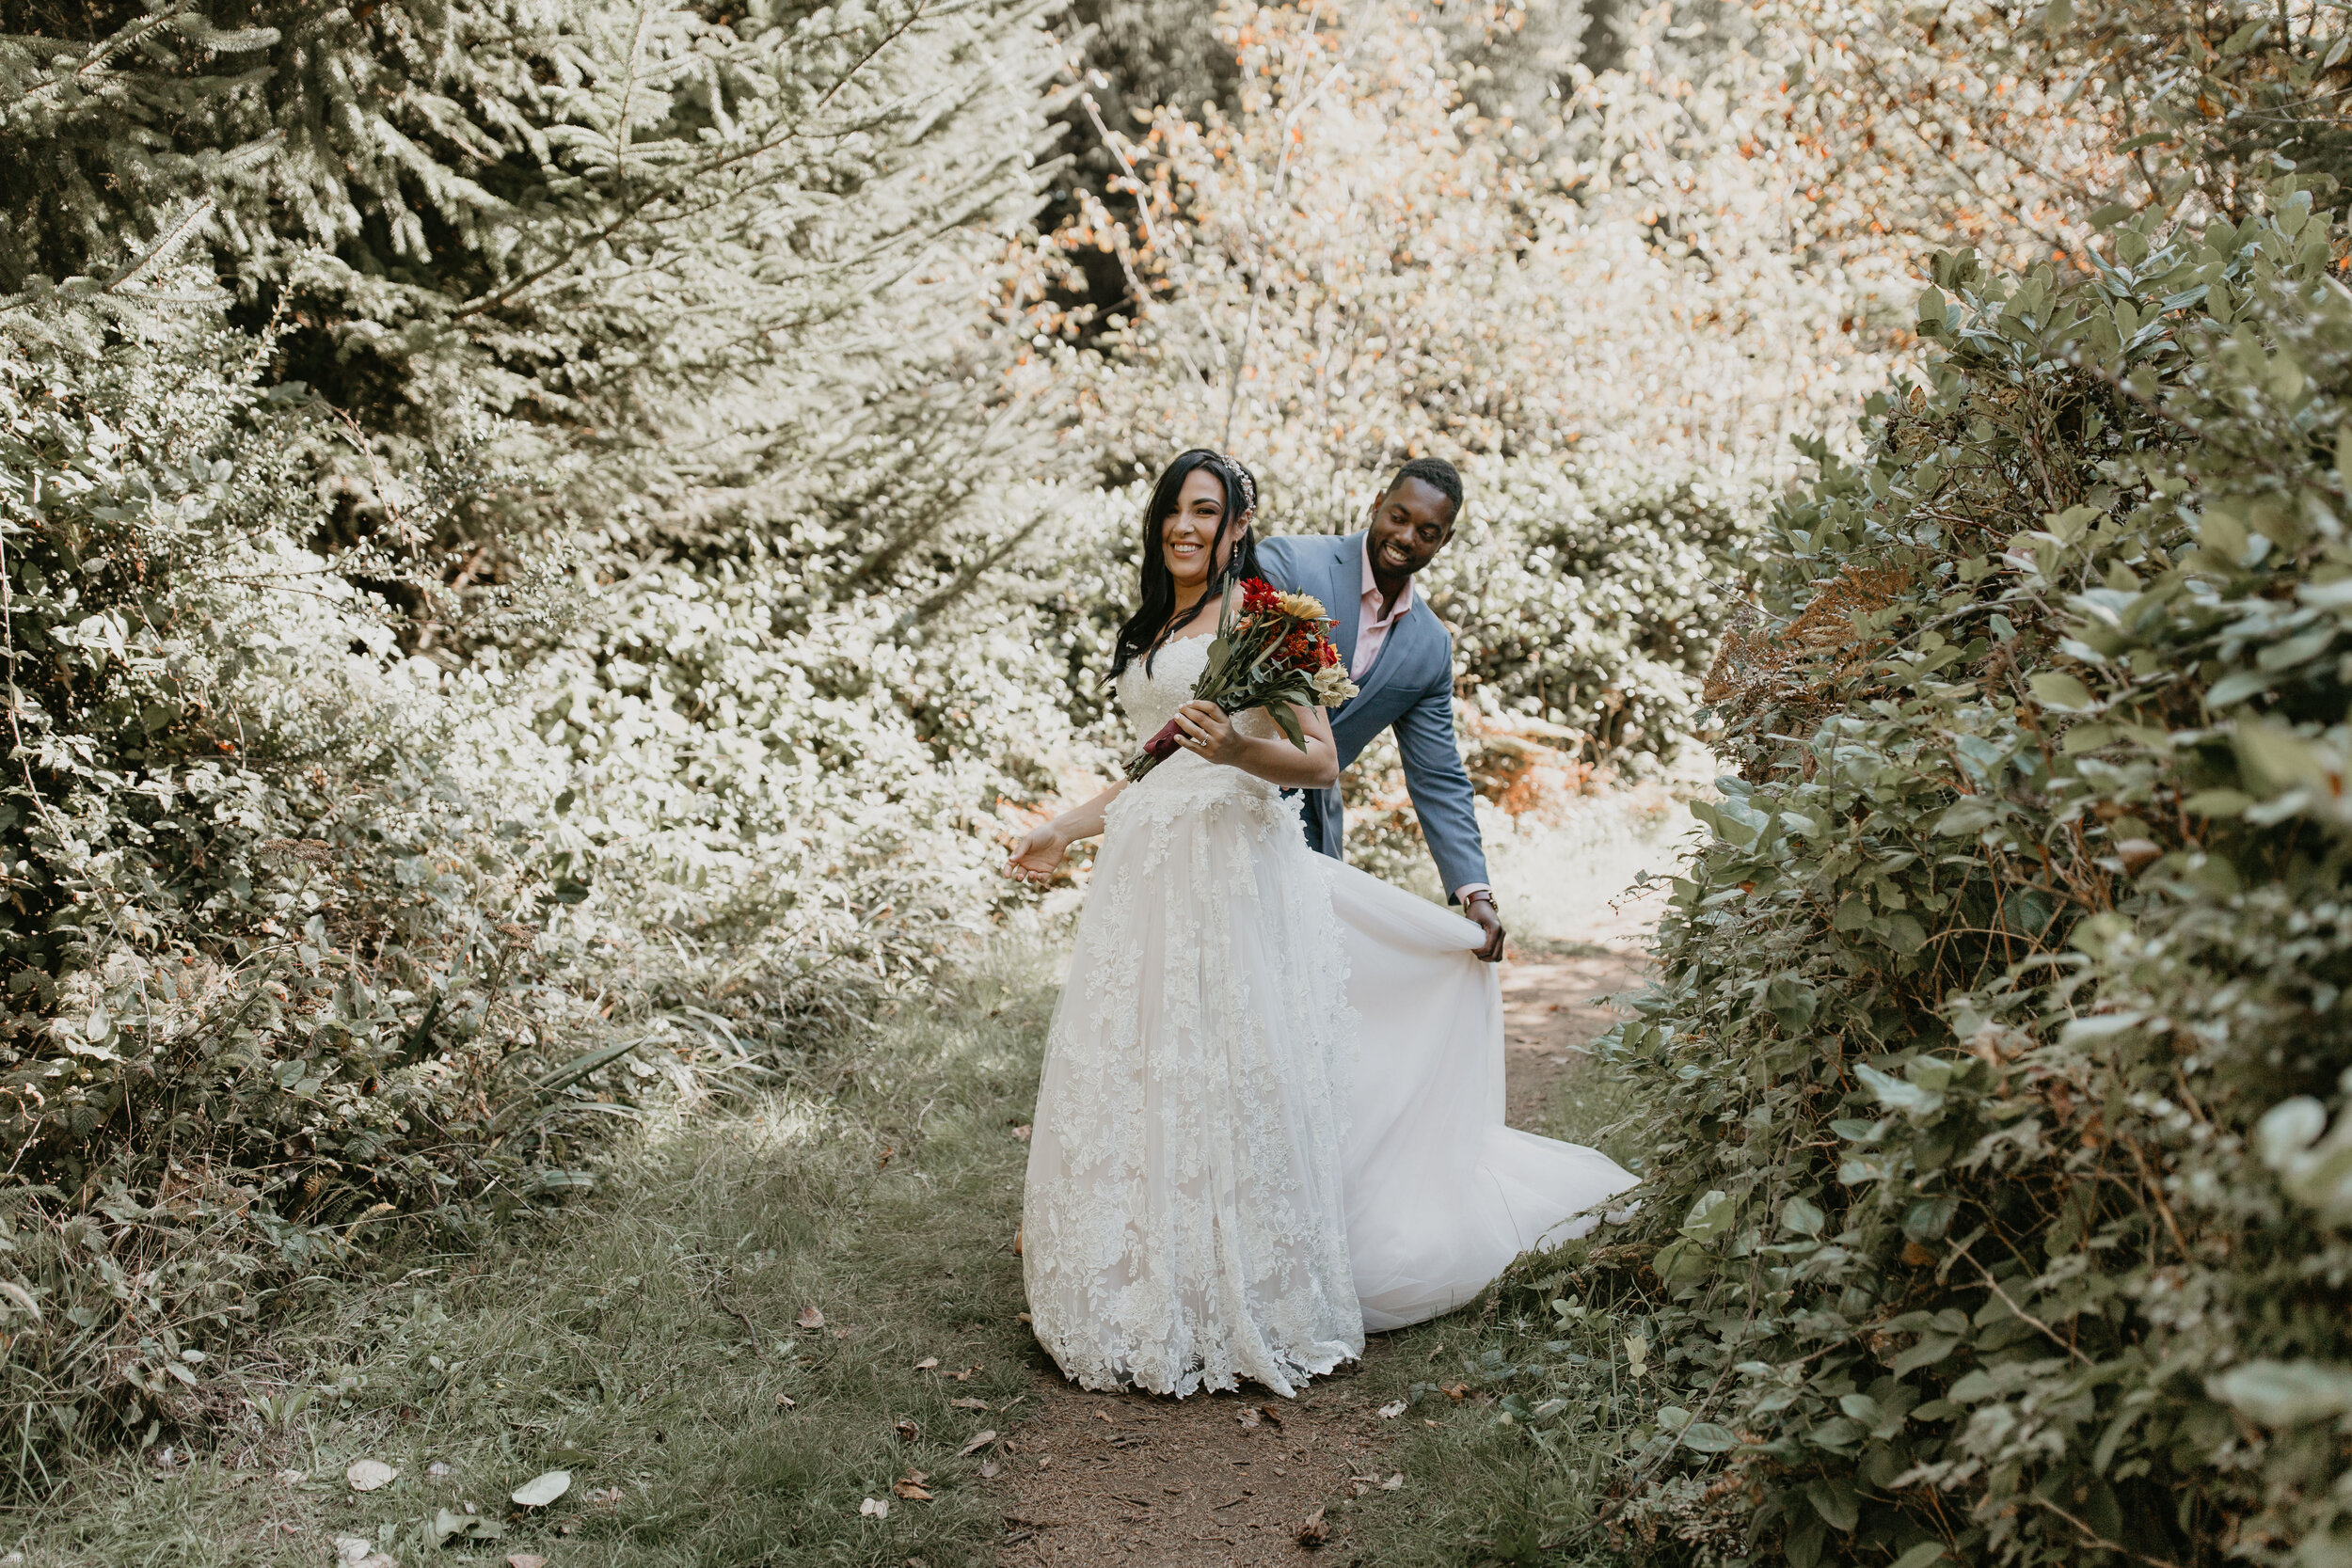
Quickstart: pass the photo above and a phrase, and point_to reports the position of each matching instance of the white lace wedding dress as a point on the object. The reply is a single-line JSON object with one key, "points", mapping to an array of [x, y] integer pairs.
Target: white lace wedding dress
{"points": [[1271, 1115]]}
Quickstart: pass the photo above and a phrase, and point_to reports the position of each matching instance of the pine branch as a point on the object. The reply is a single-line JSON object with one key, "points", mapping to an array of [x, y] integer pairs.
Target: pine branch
{"points": [[100, 54], [82, 288], [628, 89], [686, 178], [172, 239]]}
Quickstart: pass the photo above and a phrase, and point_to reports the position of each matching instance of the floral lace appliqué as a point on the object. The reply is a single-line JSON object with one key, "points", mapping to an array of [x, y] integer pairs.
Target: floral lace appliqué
{"points": [[1183, 1224]]}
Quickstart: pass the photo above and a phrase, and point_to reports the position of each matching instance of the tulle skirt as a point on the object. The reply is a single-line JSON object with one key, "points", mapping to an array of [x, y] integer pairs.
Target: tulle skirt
{"points": [[1271, 1113]]}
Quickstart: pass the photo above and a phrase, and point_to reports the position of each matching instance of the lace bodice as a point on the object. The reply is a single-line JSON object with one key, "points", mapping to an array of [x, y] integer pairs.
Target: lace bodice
{"points": [[1150, 698]]}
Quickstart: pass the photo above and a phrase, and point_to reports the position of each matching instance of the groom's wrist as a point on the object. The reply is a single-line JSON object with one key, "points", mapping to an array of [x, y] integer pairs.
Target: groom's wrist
{"points": [[1469, 893]]}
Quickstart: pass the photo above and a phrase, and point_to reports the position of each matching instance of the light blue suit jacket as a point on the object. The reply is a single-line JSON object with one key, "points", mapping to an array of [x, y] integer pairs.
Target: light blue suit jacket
{"points": [[1409, 687]]}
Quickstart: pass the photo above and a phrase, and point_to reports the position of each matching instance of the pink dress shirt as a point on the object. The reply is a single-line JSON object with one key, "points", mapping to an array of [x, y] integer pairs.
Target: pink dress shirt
{"points": [[1371, 630]]}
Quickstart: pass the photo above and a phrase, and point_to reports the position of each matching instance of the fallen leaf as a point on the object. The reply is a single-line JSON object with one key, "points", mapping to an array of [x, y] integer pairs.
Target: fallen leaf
{"points": [[1315, 1532], [909, 1486], [965, 1375], [810, 1318], [449, 1527], [611, 1495], [294, 1478], [989, 1470], [1393, 1483], [437, 1468], [525, 1560], [1455, 1391], [927, 1364], [1248, 1416], [785, 1402], [978, 1442], [1271, 1419], [366, 1475], [1021, 1131], [874, 1508], [1020, 1317], [543, 1489], [1394, 1408], [909, 1432], [967, 1404], [1104, 1417], [351, 1549]]}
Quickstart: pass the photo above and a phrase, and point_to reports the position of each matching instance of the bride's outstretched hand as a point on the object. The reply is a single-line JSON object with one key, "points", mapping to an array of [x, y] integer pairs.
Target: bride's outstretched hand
{"points": [[1036, 857]]}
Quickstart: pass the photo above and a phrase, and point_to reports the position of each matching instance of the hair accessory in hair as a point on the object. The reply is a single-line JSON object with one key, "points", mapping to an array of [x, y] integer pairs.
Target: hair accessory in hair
{"points": [[1242, 479]]}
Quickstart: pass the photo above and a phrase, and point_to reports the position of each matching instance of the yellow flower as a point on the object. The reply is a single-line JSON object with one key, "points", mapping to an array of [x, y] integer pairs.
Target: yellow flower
{"points": [[1303, 607]]}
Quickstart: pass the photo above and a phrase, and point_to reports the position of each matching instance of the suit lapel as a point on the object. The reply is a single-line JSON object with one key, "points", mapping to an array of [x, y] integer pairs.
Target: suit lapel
{"points": [[1396, 650], [1343, 595]]}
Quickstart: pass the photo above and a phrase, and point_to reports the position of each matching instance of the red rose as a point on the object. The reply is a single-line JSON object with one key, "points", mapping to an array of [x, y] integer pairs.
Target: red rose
{"points": [[1257, 595], [1327, 656]]}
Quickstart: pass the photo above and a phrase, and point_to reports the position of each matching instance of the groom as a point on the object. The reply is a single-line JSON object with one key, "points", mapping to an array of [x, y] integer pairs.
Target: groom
{"points": [[1401, 659]]}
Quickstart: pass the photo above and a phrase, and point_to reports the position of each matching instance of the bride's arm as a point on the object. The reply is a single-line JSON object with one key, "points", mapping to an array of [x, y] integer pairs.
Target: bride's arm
{"points": [[1037, 856], [1206, 732]]}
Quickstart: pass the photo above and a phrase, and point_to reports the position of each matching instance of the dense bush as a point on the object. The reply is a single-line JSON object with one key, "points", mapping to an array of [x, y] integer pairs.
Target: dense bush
{"points": [[2003, 1206], [305, 934], [272, 887]]}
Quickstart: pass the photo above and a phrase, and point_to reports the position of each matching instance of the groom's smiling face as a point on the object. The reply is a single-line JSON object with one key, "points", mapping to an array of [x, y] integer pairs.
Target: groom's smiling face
{"points": [[1410, 524]]}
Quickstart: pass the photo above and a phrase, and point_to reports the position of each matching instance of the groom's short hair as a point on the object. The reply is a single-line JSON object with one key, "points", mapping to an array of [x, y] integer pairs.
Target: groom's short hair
{"points": [[1438, 474]]}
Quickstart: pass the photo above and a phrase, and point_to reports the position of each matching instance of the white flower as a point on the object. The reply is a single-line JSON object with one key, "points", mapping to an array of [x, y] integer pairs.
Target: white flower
{"points": [[1332, 687]]}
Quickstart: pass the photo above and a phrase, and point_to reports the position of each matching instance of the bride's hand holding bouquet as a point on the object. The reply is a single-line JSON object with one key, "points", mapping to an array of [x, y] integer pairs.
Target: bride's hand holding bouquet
{"points": [[1270, 651]]}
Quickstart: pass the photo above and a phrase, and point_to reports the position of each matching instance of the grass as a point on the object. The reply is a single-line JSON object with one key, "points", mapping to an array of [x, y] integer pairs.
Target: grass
{"points": [[646, 1339], [1512, 1468]]}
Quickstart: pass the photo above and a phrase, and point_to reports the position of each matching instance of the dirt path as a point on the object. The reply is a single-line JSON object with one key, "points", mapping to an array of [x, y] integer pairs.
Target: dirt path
{"points": [[1231, 1479]]}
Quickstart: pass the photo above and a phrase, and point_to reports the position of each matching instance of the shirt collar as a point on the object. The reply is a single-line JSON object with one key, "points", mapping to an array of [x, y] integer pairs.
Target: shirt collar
{"points": [[1371, 587]]}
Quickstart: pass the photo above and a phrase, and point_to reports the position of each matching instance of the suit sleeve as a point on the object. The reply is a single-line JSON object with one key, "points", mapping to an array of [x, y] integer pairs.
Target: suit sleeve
{"points": [[1279, 559], [1442, 798]]}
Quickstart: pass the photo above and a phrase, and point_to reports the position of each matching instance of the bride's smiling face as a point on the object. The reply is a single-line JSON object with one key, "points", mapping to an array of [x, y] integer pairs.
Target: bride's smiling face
{"points": [[1188, 537]]}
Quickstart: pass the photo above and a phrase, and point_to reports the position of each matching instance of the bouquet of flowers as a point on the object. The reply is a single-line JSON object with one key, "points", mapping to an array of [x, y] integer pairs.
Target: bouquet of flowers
{"points": [[1270, 653]]}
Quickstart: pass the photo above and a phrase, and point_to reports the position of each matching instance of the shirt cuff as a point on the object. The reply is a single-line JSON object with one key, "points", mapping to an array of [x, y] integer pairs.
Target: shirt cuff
{"points": [[1462, 893]]}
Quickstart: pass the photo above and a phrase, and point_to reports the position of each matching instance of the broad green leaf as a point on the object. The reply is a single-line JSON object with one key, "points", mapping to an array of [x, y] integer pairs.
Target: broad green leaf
{"points": [[1709, 1218], [1832, 1498], [1899, 1094], [1930, 1349], [2057, 690], [2285, 1393], [2217, 802], [1707, 1437]]}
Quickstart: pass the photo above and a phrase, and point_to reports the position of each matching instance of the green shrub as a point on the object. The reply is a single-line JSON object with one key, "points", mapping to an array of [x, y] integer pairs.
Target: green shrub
{"points": [[2002, 1199], [264, 927]]}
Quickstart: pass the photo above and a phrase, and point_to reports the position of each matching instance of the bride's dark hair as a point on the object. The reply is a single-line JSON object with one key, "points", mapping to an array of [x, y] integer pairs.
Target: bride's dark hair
{"points": [[1156, 618]]}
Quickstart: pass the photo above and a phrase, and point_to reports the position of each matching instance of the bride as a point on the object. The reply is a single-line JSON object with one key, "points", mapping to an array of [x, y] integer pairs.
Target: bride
{"points": [[1271, 1115]]}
